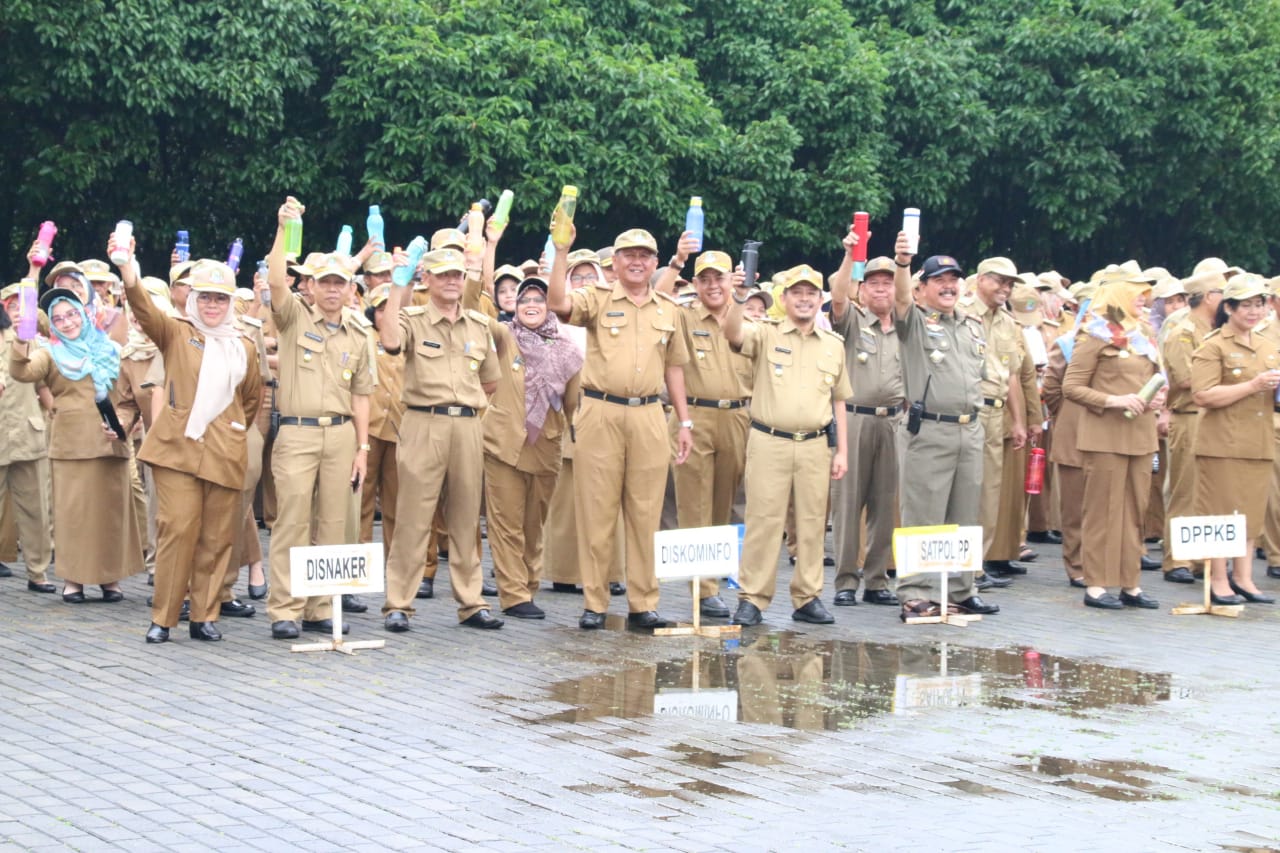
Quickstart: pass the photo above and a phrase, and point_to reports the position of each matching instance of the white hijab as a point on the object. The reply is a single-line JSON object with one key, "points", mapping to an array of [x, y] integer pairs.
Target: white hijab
{"points": [[221, 370]]}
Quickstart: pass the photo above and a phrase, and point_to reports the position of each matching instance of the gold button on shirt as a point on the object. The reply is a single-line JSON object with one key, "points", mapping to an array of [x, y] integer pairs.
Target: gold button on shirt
{"points": [[320, 368], [622, 338], [446, 361], [797, 376]]}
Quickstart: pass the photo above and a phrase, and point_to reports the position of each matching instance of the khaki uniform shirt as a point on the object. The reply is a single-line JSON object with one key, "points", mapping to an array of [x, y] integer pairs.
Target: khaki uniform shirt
{"points": [[320, 368], [949, 348], [505, 436], [386, 404], [872, 358], [1004, 347], [22, 422], [137, 381], [714, 371], [623, 339], [1244, 429], [1181, 340], [1065, 413], [797, 378], [76, 431], [1098, 370], [445, 361]]}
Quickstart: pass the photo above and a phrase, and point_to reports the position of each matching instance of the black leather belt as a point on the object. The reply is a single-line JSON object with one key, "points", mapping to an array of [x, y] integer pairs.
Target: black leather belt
{"points": [[451, 411], [334, 420], [878, 411], [621, 401], [717, 404], [950, 419], [1197, 411], [790, 436], [993, 402]]}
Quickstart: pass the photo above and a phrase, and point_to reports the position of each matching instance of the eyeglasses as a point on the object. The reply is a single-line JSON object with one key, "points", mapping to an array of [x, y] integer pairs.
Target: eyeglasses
{"points": [[583, 279], [212, 298], [532, 299], [64, 319]]}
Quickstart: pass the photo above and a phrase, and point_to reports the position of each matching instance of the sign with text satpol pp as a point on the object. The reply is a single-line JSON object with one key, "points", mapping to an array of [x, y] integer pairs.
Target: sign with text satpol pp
{"points": [[693, 553], [941, 548], [1208, 537], [337, 570]]}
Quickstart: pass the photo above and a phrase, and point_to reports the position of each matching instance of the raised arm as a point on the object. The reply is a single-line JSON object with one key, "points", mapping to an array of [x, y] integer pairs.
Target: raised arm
{"points": [[841, 281], [282, 304], [902, 301], [155, 324], [557, 282], [666, 282]]}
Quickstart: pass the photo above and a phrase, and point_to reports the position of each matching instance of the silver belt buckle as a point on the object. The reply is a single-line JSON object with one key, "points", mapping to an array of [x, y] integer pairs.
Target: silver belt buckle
{"points": [[635, 401], [455, 411], [882, 411], [325, 421], [798, 436], [723, 404], [964, 419]]}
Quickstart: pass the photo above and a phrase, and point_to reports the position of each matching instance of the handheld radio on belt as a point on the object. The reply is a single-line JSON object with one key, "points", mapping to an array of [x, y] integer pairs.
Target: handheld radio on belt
{"points": [[917, 408]]}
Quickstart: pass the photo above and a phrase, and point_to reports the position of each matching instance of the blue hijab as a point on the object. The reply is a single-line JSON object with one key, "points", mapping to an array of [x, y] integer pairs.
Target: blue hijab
{"points": [[93, 353]]}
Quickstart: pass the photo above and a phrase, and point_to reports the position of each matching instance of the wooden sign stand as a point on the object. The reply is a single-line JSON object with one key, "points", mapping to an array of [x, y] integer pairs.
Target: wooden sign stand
{"points": [[960, 620], [1207, 607], [941, 548], [337, 644], [697, 629]]}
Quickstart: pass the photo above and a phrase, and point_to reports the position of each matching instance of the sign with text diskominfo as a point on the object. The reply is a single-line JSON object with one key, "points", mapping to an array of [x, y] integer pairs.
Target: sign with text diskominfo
{"points": [[698, 552], [937, 548], [336, 569]]}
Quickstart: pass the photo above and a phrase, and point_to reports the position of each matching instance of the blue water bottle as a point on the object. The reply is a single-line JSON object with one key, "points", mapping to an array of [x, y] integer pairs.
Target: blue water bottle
{"points": [[374, 225], [549, 250], [233, 257], [183, 247], [344, 241], [693, 220], [402, 276]]}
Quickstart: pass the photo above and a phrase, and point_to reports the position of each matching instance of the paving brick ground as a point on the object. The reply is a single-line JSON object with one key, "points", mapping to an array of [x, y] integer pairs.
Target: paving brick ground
{"points": [[1131, 730]]}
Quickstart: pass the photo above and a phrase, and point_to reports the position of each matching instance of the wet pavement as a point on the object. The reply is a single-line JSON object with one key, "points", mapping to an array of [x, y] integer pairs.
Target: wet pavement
{"points": [[1046, 727]]}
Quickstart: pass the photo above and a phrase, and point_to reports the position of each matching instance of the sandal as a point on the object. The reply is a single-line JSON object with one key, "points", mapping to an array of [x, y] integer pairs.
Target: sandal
{"points": [[919, 607]]}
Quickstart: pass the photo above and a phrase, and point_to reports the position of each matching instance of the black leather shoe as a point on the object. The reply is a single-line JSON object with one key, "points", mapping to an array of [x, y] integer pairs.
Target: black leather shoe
{"points": [[207, 631], [1003, 568], [257, 591], [1106, 601], [1225, 600], [323, 626], [1273, 572], [157, 634], [566, 587], [713, 607], [526, 610], [813, 612], [5, 571], [236, 607], [76, 597], [747, 614], [974, 604], [982, 583], [617, 588], [396, 622], [111, 596], [185, 613], [647, 620], [591, 621], [1251, 597], [488, 588], [1150, 565], [1259, 554], [1078, 583], [1179, 575], [444, 554], [353, 604], [879, 596], [426, 589], [482, 619], [32, 586], [151, 578], [1044, 537], [828, 562], [285, 629], [846, 598], [1142, 600]]}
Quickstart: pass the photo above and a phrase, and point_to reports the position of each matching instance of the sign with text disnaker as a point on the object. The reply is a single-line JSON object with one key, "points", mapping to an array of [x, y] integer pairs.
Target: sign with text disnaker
{"points": [[336, 569], [698, 552], [937, 548], [1205, 537]]}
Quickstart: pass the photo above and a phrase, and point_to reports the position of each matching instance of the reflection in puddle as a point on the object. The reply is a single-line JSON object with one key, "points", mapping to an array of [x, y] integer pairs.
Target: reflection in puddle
{"points": [[787, 680], [1090, 776]]}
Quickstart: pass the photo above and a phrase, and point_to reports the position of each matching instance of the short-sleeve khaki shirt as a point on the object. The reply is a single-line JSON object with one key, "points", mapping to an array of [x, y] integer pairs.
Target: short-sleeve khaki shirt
{"points": [[1244, 429], [798, 376], [629, 345], [446, 362], [872, 358], [320, 366]]}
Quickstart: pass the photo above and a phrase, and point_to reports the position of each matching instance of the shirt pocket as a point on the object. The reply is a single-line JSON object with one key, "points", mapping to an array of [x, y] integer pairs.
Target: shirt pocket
{"points": [[780, 363], [828, 372], [429, 349], [1236, 369], [703, 352], [309, 354], [663, 329], [612, 325]]}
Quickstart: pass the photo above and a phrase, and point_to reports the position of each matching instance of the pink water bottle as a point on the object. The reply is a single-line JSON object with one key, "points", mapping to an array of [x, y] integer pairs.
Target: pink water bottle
{"points": [[28, 311], [47, 232]]}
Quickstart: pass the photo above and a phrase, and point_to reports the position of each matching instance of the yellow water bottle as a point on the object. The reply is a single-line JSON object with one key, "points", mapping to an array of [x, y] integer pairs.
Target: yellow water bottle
{"points": [[562, 216]]}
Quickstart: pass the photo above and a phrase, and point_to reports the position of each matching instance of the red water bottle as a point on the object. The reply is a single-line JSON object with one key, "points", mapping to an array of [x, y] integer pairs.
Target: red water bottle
{"points": [[861, 226], [1035, 471], [1032, 670]]}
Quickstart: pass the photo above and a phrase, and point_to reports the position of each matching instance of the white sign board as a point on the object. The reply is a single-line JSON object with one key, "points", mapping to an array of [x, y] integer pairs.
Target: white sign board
{"points": [[714, 704], [1205, 537], [912, 693], [939, 548], [336, 569], [698, 552]]}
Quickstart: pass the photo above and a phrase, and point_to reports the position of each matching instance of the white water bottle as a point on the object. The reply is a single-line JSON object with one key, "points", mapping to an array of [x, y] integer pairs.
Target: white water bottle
{"points": [[124, 232], [911, 227]]}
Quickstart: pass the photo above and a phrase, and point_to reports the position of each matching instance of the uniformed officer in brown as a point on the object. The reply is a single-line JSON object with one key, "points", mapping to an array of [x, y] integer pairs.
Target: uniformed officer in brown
{"points": [[634, 342], [798, 385], [872, 415], [450, 369], [321, 450]]}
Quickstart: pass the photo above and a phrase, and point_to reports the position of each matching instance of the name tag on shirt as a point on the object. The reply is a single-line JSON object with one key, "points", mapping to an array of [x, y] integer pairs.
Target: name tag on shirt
{"points": [[432, 344], [615, 313], [782, 350], [195, 342], [313, 337], [702, 333]]}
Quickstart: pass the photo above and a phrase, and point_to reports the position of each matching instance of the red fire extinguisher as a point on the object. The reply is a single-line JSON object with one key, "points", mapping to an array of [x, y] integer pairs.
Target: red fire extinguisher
{"points": [[1035, 471]]}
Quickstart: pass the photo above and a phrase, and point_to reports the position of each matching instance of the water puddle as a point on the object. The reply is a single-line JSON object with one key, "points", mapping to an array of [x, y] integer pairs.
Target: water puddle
{"points": [[1125, 781], [785, 679]]}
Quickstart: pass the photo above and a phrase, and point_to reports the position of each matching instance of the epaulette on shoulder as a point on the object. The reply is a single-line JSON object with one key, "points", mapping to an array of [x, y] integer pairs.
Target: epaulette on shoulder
{"points": [[478, 316], [1212, 334], [667, 297], [833, 334], [414, 310]]}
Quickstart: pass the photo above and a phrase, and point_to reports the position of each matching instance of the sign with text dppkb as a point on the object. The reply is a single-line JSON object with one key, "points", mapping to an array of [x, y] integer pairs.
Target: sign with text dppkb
{"points": [[698, 552], [336, 569], [937, 548], [1205, 537]]}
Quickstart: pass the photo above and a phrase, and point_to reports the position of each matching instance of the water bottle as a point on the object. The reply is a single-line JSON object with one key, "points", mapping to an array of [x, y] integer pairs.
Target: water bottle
{"points": [[475, 229], [402, 276], [183, 247], [562, 217], [124, 231], [693, 220], [344, 241], [234, 256], [750, 261], [549, 250], [27, 310], [502, 215], [861, 229], [45, 240], [464, 224], [266, 291], [374, 225], [293, 237], [911, 227], [1034, 482], [1148, 392]]}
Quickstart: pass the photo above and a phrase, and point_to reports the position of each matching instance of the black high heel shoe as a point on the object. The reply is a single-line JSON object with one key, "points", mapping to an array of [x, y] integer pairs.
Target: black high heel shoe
{"points": [[1251, 597]]}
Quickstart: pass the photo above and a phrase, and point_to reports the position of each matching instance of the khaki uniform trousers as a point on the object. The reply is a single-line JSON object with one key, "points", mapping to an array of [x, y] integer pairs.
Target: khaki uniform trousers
{"points": [[1006, 541], [1153, 526], [268, 480], [1180, 482], [247, 548], [312, 468], [517, 503], [621, 455], [8, 533], [777, 469], [139, 480], [437, 452], [382, 483], [1042, 509], [196, 523], [870, 485], [941, 483], [1271, 524], [560, 543], [22, 490], [992, 420], [781, 689], [1071, 489], [708, 480], [1116, 488]]}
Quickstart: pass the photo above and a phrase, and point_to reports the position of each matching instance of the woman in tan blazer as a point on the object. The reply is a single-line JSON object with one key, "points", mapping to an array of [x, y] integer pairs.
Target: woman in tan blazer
{"points": [[1233, 380], [1112, 359]]}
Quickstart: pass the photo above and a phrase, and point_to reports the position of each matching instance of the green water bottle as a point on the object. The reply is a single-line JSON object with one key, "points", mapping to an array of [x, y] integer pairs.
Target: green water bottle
{"points": [[562, 216]]}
